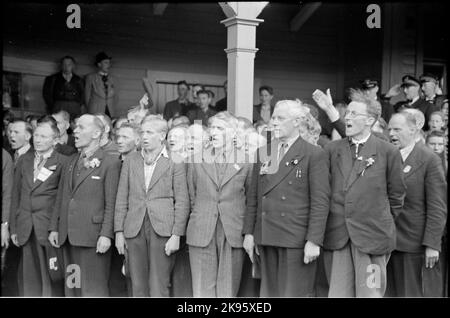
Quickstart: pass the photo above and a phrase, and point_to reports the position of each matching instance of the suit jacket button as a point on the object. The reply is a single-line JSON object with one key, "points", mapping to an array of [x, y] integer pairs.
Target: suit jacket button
{"points": [[264, 213], [290, 182], [283, 198], [282, 214], [264, 197]]}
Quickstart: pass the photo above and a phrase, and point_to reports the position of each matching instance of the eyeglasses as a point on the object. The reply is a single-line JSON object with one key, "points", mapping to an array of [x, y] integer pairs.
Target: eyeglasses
{"points": [[353, 114]]}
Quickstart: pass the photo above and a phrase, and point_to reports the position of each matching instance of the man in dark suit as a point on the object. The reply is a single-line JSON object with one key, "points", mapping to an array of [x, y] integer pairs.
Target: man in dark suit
{"points": [[82, 220], [181, 105], [19, 135], [287, 207], [411, 89], [66, 142], [7, 184], [64, 90], [367, 193], [414, 269], [151, 212], [106, 143], [36, 180]]}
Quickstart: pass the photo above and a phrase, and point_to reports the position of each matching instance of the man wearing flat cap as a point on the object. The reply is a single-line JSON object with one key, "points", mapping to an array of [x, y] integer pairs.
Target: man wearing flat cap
{"points": [[371, 88], [411, 88], [100, 90], [430, 85]]}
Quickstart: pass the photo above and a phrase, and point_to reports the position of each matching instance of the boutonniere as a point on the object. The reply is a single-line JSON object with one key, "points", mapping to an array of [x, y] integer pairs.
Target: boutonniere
{"points": [[407, 169], [52, 168], [264, 168], [294, 162], [369, 162], [94, 163]]}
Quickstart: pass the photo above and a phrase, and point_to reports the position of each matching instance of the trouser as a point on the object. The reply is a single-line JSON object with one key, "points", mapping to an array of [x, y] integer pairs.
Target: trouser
{"points": [[284, 274], [87, 272], [407, 276], [217, 268], [34, 275], [351, 272], [118, 283], [150, 268], [181, 285]]}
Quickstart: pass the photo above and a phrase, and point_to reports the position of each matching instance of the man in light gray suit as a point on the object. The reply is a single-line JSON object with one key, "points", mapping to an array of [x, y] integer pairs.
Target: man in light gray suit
{"points": [[218, 186], [152, 208]]}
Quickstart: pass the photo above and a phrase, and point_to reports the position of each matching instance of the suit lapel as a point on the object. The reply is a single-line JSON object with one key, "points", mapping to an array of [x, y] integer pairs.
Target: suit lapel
{"points": [[345, 159], [209, 167], [28, 163], [87, 172], [296, 151], [369, 150], [414, 162], [51, 161], [161, 167]]}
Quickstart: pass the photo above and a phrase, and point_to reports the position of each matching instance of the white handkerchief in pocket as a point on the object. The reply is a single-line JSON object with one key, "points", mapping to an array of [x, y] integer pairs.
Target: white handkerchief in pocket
{"points": [[96, 177]]}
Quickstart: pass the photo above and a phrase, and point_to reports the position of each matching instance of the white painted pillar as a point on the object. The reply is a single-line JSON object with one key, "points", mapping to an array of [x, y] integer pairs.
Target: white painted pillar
{"points": [[241, 40]]}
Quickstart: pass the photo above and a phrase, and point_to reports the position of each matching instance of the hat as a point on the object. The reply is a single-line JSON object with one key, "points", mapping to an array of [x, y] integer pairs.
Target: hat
{"points": [[101, 56], [409, 80], [428, 77], [368, 83]]}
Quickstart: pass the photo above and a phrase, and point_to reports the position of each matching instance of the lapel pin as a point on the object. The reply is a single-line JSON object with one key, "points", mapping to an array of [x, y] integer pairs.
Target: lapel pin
{"points": [[407, 169], [295, 161], [298, 174], [236, 166], [287, 163]]}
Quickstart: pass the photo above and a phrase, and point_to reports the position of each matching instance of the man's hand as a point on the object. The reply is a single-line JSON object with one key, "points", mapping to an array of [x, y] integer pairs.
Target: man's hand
{"points": [[144, 101], [431, 257], [172, 244], [121, 245], [325, 102], [5, 235], [393, 91], [103, 244], [53, 237], [15, 240], [250, 246], [312, 252]]}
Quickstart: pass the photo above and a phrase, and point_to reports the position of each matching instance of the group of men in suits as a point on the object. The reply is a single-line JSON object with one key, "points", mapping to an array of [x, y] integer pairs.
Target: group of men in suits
{"points": [[372, 212], [67, 91]]}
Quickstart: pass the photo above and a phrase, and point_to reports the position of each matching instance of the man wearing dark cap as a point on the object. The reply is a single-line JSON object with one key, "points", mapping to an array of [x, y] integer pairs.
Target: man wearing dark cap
{"points": [[100, 91], [411, 89], [64, 90], [371, 88], [430, 84]]}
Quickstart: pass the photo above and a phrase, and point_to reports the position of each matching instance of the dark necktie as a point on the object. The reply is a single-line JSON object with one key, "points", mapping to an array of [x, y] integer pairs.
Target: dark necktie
{"points": [[16, 156], [282, 151], [39, 161], [355, 149]]}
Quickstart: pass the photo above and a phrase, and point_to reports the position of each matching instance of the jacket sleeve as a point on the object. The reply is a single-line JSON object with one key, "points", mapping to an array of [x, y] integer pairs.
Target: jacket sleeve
{"points": [[47, 92], [7, 185], [182, 203], [54, 220], [436, 205], [395, 183], [110, 188], [15, 198], [121, 207], [252, 201], [319, 185], [339, 125]]}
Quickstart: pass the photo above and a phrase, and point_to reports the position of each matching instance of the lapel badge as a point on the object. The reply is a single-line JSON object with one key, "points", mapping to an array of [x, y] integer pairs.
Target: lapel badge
{"points": [[298, 173], [407, 169], [236, 166], [287, 163]]}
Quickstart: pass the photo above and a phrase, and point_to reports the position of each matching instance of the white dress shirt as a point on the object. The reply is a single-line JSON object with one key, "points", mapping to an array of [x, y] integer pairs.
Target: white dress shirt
{"points": [[150, 168]]}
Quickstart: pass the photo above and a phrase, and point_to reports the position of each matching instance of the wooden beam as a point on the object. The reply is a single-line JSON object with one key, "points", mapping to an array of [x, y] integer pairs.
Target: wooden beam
{"points": [[159, 8], [303, 15]]}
